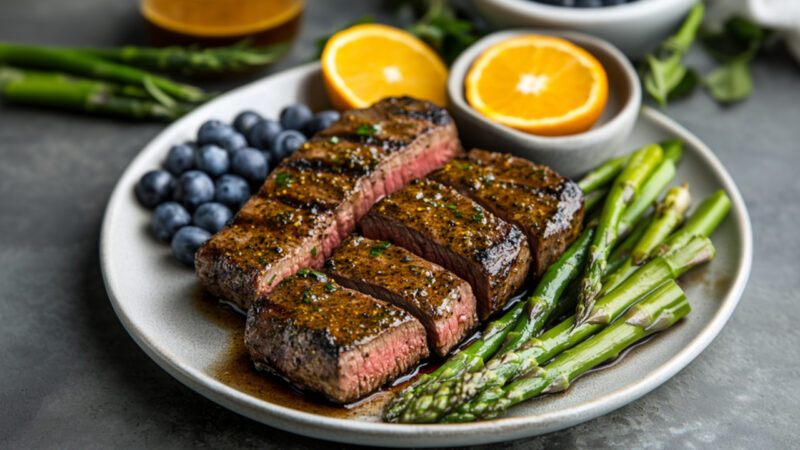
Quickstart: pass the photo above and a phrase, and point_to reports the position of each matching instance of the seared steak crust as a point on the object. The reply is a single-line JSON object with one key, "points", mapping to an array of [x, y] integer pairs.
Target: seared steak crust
{"points": [[546, 205], [441, 225], [334, 340], [440, 300], [313, 199]]}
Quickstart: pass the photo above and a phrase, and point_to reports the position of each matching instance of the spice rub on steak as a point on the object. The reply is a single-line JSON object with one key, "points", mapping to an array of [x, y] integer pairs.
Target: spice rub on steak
{"points": [[443, 226], [545, 205], [313, 199], [435, 296], [330, 339]]}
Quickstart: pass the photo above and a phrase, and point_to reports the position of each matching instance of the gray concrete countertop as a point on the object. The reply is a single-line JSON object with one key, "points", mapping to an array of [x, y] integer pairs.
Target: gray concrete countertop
{"points": [[71, 377]]}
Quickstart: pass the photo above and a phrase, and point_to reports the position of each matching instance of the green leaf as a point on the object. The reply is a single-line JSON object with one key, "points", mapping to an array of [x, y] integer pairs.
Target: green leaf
{"points": [[731, 82], [685, 86]]}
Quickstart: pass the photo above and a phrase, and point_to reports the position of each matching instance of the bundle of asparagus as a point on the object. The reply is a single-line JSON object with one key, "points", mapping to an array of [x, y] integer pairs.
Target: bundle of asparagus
{"points": [[107, 81], [637, 257]]}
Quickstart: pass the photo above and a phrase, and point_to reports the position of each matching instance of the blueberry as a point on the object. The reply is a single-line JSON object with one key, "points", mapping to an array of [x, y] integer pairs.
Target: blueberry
{"points": [[263, 133], [320, 121], [180, 159], [232, 191], [212, 131], [286, 143], [186, 242], [193, 189], [211, 216], [294, 117], [212, 160], [245, 120], [250, 164], [232, 142], [154, 187], [167, 219]]}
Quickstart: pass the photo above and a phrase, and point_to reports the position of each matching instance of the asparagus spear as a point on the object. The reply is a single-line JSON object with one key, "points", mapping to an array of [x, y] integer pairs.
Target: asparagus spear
{"points": [[625, 188], [467, 360], [63, 91], [603, 175], [657, 312], [594, 198], [537, 309], [669, 214], [599, 177], [701, 223], [566, 334], [189, 61], [91, 66]]}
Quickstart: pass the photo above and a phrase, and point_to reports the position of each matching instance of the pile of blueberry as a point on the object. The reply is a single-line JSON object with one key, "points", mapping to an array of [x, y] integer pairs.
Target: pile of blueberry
{"points": [[585, 3], [203, 183]]}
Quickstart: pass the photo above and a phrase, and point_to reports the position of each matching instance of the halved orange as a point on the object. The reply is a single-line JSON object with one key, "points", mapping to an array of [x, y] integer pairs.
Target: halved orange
{"points": [[366, 63], [538, 84]]}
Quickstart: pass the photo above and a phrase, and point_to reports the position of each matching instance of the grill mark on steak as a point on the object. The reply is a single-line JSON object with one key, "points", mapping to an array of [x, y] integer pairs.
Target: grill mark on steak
{"points": [[544, 204], [334, 340], [440, 300], [441, 225], [313, 199]]}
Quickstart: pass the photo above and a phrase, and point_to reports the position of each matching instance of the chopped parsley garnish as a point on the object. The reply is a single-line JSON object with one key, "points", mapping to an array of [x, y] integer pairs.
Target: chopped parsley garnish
{"points": [[437, 186], [465, 166], [306, 298], [459, 214], [284, 179], [452, 206], [262, 260], [334, 140], [303, 273], [368, 130], [314, 251], [382, 245], [375, 252], [319, 276], [477, 217], [272, 278], [430, 279], [477, 208], [330, 288], [316, 309]]}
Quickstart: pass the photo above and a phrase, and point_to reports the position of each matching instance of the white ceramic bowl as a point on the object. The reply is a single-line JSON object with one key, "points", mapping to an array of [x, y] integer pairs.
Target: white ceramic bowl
{"points": [[572, 155], [635, 27]]}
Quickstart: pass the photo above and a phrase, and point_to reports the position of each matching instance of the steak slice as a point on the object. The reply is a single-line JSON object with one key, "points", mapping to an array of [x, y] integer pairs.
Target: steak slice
{"points": [[440, 300], [313, 199], [441, 225], [545, 205], [330, 339]]}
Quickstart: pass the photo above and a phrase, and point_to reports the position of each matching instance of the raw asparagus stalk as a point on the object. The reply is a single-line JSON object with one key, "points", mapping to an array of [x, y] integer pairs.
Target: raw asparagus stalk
{"points": [[668, 215], [83, 64], [657, 312], [536, 351], [702, 222], [467, 360], [189, 61], [80, 94], [625, 188]]}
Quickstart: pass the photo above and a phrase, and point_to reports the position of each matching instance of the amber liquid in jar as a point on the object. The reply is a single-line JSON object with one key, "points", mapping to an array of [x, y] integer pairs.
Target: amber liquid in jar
{"points": [[221, 22]]}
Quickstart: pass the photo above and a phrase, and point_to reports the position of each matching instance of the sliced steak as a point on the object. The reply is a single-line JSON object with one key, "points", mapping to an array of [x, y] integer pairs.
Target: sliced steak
{"points": [[546, 205], [440, 300], [313, 199], [331, 339], [441, 225]]}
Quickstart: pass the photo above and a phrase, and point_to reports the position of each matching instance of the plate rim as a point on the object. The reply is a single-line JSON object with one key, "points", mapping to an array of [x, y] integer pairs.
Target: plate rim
{"points": [[386, 434]]}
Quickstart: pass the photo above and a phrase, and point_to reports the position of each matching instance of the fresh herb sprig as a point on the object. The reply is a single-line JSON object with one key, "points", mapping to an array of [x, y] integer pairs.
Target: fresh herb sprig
{"points": [[665, 77]]}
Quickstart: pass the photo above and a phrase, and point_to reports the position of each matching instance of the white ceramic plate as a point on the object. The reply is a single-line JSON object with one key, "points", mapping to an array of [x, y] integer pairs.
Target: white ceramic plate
{"points": [[154, 296]]}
